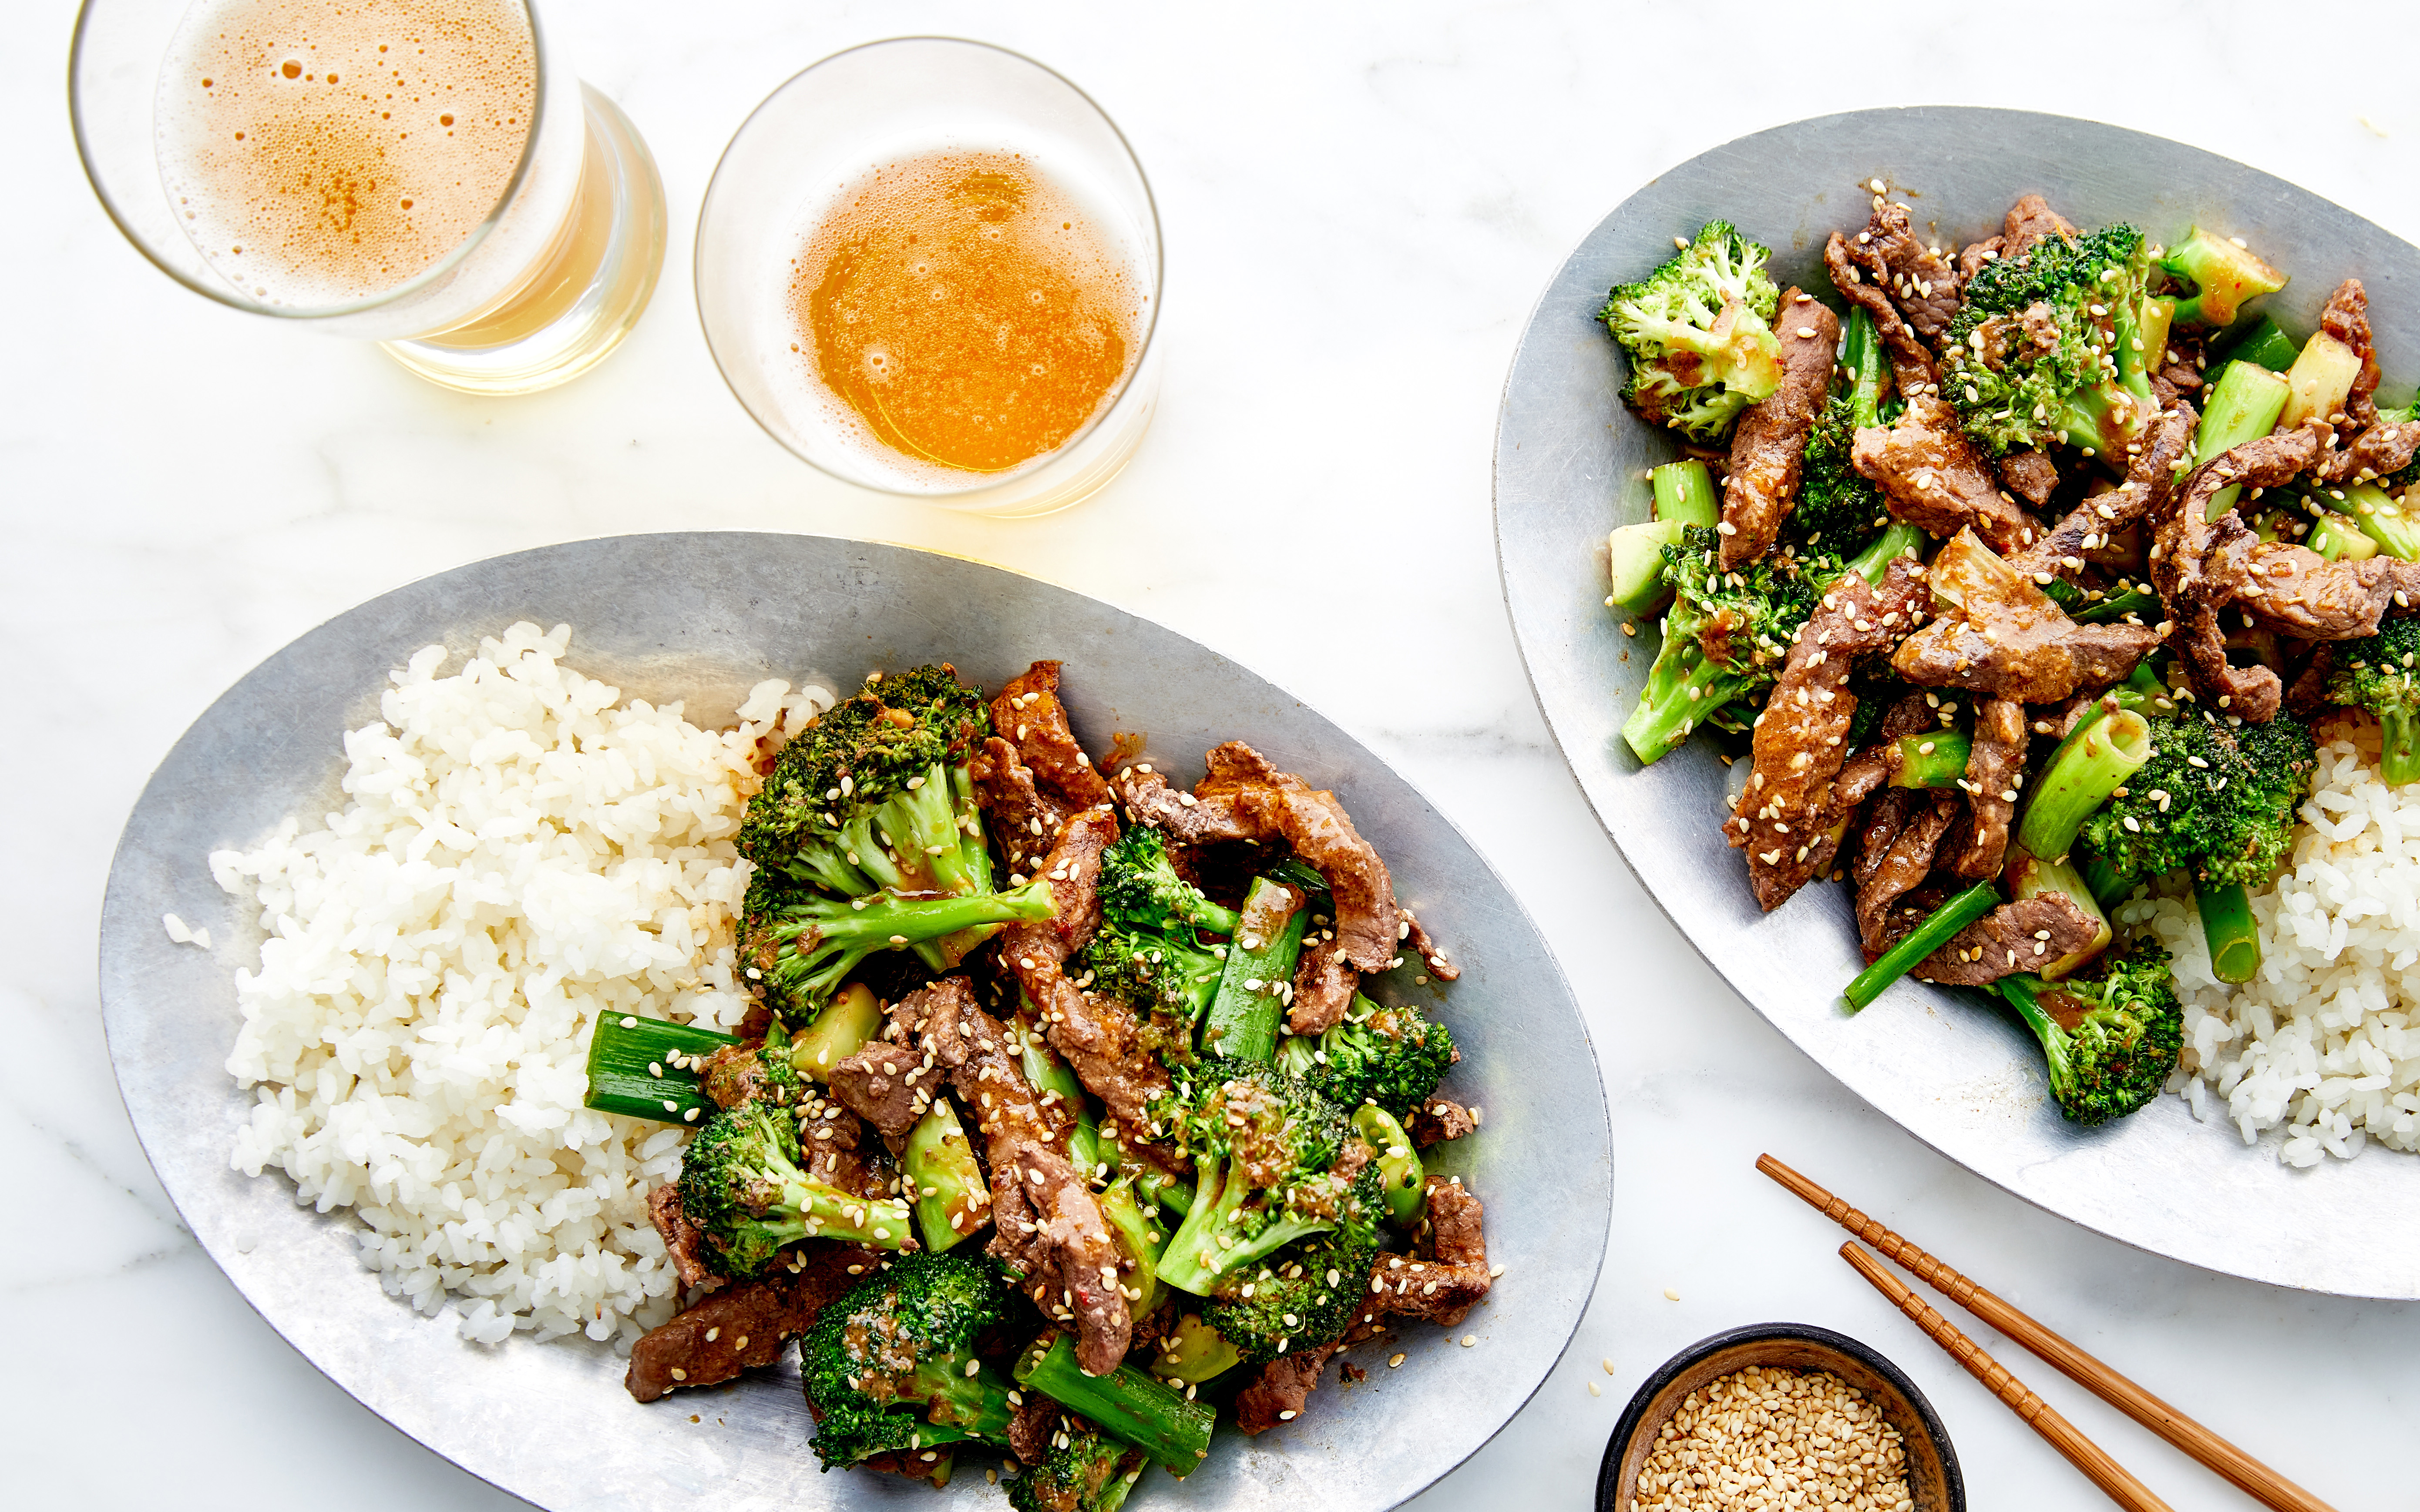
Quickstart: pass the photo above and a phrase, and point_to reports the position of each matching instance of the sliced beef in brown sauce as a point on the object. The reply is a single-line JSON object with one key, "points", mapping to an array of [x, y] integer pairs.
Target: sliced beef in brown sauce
{"points": [[2019, 936], [1418, 940], [1922, 282], [1998, 634], [1245, 798], [1438, 1120], [888, 1086], [2345, 316], [1902, 830], [2031, 222], [1783, 816], [1025, 820], [1447, 1272], [2293, 590], [2032, 476], [1770, 443], [1995, 763], [2150, 476], [1047, 1226], [744, 1325], [2375, 453], [1862, 281], [1277, 1391], [1029, 714], [684, 1243], [1323, 985], [1931, 476]]}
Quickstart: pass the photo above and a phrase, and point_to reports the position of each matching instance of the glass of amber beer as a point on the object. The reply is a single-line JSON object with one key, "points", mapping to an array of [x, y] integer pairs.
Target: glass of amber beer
{"points": [[931, 267], [425, 174]]}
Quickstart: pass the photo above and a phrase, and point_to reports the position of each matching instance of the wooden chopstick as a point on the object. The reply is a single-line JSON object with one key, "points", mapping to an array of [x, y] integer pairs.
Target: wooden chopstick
{"points": [[2063, 1436], [2256, 1480]]}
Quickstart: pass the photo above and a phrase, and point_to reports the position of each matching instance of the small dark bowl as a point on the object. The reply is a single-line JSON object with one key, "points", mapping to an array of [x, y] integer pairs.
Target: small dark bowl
{"points": [[1933, 1479]]}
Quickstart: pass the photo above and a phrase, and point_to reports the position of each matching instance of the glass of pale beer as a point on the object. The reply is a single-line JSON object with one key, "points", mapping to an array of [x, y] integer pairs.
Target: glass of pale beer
{"points": [[425, 174], [931, 267]]}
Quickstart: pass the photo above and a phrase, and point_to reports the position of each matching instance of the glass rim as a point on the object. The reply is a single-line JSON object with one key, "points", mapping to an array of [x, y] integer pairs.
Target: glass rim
{"points": [[224, 291], [1142, 350]]}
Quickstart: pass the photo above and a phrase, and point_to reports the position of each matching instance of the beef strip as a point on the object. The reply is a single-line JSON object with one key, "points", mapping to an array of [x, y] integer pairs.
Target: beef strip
{"points": [[1862, 281], [1025, 820], [1923, 284], [2308, 694], [744, 1326], [2150, 479], [1323, 985], [2197, 563], [2032, 476], [1931, 476], [2293, 590], [1424, 945], [2013, 937], [1244, 797], [1879, 760], [684, 1243], [2031, 222], [1047, 1227], [1447, 1272], [2345, 316], [1277, 1391], [2375, 453], [1996, 764], [1976, 255], [1028, 711], [1899, 839], [2000, 635], [1770, 443], [1788, 805], [1036, 1422], [1439, 1120], [888, 1086]]}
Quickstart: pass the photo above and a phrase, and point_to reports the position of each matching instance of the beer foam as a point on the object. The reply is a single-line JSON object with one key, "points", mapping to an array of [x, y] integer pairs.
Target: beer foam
{"points": [[321, 153]]}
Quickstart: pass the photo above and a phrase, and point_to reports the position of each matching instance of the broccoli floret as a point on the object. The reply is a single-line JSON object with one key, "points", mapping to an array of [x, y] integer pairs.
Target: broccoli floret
{"points": [[2382, 674], [1086, 1471], [893, 1366], [1839, 508], [806, 944], [2224, 275], [761, 1072], [1267, 1153], [1301, 1297], [1168, 973], [2217, 800], [2126, 1028], [872, 803], [2042, 351], [1392, 1056], [744, 1185], [1698, 336], [1139, 888], [1724, 638]]}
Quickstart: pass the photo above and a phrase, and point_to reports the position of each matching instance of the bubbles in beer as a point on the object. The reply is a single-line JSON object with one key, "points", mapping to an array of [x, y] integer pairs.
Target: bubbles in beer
{"points": [[278, 131]]}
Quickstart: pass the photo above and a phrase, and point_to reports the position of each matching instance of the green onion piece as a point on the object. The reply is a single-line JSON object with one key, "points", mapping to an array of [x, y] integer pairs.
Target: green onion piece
{"points": [[1684, 493], [2244, 404], [2108, 886], [2265, 343], [1934, 759], [1242, 1022], [1126, 1404], [2096, 758], [1960, 911], [631, 1071], [2226, 923], [2379, 516], [2137, 601]]}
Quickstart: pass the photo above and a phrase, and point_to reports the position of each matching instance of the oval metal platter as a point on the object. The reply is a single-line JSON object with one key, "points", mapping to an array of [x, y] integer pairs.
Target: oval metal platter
{"points": [[699, 618], [1569, 460]]}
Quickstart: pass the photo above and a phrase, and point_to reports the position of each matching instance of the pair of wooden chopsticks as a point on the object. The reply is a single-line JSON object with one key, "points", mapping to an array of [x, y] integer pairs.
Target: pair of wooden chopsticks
{"points": [[2256, 1479]]}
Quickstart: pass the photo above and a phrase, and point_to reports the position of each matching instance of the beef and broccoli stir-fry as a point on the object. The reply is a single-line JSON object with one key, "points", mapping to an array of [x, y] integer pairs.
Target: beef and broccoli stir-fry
{"points": [[1067, 1118], [2017, 588]]}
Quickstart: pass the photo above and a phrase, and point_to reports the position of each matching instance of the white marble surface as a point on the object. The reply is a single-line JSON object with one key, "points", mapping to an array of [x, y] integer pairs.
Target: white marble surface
{"points": [[1360, 210]]}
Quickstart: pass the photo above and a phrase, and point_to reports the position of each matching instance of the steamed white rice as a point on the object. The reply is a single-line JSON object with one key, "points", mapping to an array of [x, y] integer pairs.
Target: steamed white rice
{"points": [[2324, 1042], [519, 853]]}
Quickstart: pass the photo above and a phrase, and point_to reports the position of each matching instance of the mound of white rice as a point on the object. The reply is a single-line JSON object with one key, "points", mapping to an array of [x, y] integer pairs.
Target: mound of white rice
{"points": [[519, 853], [2325, 1040]]}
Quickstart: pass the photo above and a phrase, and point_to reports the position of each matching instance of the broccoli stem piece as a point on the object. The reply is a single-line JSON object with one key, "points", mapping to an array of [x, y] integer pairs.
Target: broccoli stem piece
{"points": [[1401, 1179], [2320, 380], [1126, 1404], [2142, 337], [2097, 757], [841, 1030], [1960, 911], [1686, 494], [1934, 759], [1861, 353], [2137, 601], [1683, 690], [2108, 886], [631, 1071], [1200, 1252], [1896, 540], [2265, 343], [950, 1192], [824, 939], [2227, 924], [1634, 564], [2336, 537], [1194, 1352], [2380, 519], [1138, 1235], [1242, 1022], [2029, 876], [2223, 276], [1046, 1072], [2398, 732], [2243, 405]]}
